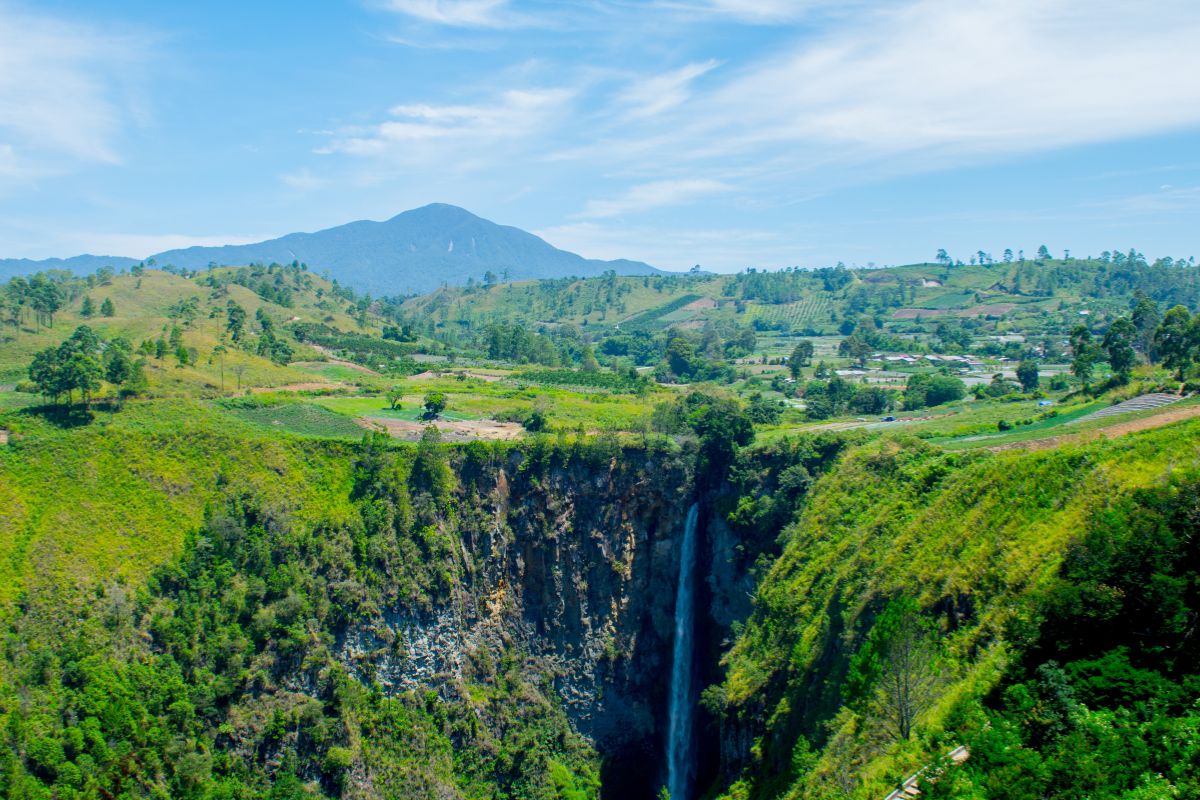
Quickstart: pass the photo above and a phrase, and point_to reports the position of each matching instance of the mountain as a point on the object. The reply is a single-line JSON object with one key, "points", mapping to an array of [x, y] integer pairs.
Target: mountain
{"points": [[416, 251], [10, 267]]}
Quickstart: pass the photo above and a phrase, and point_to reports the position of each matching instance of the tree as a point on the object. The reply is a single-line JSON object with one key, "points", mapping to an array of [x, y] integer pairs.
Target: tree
{"points": [[943, 257], [932, 390], [1146, 318], [856, 348], [1008, 255], [88, 309], [44, 297], [587, 360], [1118, 345], [722, 427], [72, 366], [802, 356], [1027, 374], [1176, 340], [872, 400], [435, 404], [118, 366], [895, 671], [394, 396], [107, 308], [235, 317], [1084, 353], [536, 421], [219, 353], [1043, 253]]}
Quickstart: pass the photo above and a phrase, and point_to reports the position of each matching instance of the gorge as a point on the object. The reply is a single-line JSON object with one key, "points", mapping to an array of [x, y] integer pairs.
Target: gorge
{"points": [[513, 620]]}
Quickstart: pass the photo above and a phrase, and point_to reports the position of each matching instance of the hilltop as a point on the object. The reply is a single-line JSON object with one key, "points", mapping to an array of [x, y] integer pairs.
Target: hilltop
{"points": [[415, 251]]}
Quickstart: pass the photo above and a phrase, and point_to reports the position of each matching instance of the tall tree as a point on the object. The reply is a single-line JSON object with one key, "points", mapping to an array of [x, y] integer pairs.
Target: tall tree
{"points": [[1084, 353], [1175, 340], [1145, 317], [1027, 374], [1118, 345], [235, 320], [802, 356], [895, 673]]}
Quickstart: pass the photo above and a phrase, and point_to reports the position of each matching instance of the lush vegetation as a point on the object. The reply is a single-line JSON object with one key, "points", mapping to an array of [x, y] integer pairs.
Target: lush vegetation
{"points": [[192, 526], [1028, 634]]}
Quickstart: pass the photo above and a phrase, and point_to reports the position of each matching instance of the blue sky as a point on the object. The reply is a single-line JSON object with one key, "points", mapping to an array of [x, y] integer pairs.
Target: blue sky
{"points": [[728, 133]]}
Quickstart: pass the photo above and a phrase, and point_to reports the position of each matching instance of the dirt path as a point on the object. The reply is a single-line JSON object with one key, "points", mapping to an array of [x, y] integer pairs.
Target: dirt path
{"points": [[1119, 429], [452, 430]]}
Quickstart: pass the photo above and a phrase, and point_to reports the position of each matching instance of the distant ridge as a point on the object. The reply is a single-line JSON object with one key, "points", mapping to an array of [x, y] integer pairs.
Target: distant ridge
{"points": [[416, 251], [11, 267]]}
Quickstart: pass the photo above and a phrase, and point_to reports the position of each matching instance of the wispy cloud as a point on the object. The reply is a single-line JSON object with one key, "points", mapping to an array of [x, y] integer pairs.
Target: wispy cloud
{"points": [[414, 130], [61, 102], [927, 84], [458, 13], [750, 11], [653, 95], [996, 76], [658, 194]]}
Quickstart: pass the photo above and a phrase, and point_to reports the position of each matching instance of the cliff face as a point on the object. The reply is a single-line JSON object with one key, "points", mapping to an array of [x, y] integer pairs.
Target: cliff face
{"points": [[572, 563], [573, 567]]}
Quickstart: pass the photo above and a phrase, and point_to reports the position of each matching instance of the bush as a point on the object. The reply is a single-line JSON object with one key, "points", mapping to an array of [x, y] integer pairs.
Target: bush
{"points": [[933, 390]]}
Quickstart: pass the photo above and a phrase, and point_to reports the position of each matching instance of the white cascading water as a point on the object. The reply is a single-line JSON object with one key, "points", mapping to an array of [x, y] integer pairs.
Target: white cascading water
{"points": [[679, 730]]}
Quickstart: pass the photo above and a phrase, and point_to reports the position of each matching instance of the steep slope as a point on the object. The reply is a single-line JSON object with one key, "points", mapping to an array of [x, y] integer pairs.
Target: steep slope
{"points": [[415, 251], [980, 552]]}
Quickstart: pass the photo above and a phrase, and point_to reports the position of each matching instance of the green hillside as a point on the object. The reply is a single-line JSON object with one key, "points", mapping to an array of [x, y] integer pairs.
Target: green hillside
{"points": [[263, 537]]}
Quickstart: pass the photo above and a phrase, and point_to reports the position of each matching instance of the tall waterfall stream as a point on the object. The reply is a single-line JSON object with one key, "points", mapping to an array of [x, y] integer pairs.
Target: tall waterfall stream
{"points": [[679, 731]]}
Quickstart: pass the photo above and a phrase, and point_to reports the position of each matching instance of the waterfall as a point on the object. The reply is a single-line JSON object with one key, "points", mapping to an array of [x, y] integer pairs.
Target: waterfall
{"points": [[679, 731]]}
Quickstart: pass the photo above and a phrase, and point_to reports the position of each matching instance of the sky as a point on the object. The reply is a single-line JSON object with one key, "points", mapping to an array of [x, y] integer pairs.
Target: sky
{"points": [[725, 133]]}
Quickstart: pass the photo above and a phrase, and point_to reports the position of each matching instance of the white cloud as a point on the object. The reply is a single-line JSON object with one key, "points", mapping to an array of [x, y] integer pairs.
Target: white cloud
{"points": [[994, 76], [658, 93], [718, 249], [59, 87], [928, 84], [416, 130], [658, 194], [752, 11], [456, 13]]}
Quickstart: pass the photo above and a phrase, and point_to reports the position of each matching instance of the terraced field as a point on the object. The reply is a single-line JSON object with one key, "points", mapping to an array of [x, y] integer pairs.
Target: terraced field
{"points": [[812, 312]]}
